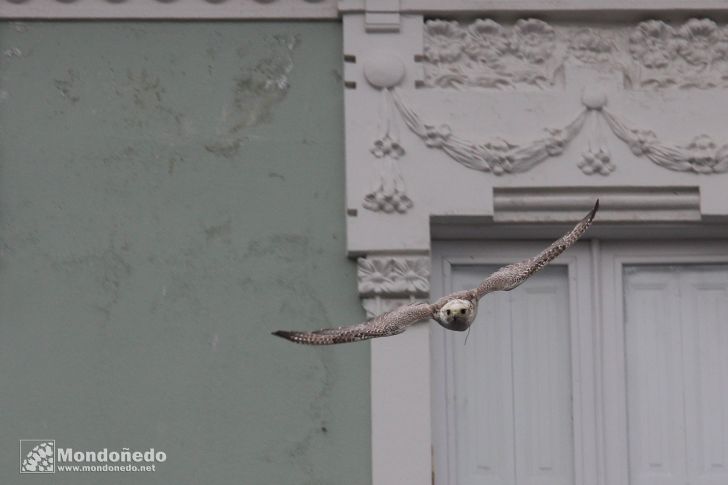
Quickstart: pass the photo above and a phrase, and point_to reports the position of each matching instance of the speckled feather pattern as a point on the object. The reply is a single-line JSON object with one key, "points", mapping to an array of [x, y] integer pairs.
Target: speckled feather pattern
{"points": [[509, 277], [397, 321], [386, 324]]}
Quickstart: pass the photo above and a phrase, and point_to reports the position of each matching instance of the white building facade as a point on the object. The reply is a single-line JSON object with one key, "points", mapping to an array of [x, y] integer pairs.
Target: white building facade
{"points": [[495, 128]]}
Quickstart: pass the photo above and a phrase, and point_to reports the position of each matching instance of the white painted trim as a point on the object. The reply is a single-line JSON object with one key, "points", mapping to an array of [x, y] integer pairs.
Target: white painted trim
{"points": [[598, 375], [169, 9], [401, 419]]}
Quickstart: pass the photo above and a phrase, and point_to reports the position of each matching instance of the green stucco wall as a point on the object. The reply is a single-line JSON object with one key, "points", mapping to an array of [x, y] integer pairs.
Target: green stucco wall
{"points": [[170, 193]]}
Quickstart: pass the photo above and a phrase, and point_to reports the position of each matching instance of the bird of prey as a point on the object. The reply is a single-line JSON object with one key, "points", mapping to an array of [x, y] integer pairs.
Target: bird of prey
{"points": [[455, 311]]}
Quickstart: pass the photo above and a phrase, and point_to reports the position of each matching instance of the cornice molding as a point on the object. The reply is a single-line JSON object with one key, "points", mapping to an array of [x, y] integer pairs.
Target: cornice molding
{"points": [[169, 9]]}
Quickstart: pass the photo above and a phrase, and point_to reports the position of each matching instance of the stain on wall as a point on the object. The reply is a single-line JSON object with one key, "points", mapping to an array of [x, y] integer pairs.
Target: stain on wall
{"points": [[170, 193], [257, 89]]}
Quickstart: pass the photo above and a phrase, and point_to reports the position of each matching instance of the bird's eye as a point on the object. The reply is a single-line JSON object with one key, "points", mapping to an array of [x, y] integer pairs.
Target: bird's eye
{"points": [[462, 311], [447, 311]]}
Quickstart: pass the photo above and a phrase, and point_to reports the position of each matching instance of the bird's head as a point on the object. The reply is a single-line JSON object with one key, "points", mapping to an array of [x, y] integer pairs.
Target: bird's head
{"points": [[457, 314]]}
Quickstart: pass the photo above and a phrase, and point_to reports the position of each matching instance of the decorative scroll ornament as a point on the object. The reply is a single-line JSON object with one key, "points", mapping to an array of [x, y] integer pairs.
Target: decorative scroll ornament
{"points": [[487, 54], [387, 282], [701, 155], [498, 155]]}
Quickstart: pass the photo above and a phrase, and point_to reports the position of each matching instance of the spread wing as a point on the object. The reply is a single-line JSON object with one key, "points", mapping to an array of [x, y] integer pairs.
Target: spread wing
{"points": [[508, 277], [384, 325], [397, 321]]}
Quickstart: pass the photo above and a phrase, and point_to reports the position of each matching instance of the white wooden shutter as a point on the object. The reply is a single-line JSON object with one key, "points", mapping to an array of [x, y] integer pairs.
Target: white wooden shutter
{"points": [[676, 337], [511, 384]]}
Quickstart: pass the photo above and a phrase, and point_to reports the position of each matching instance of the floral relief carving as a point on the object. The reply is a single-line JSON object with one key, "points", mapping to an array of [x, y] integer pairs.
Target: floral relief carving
{"points": [[411, 275], [640, 141], [498, 155], [487, 42], [533, 40], [444, 41], [374, 276], [597, 161], [701, 155], [388, 193], [529, 53], [704, 156], [591, 46], [394, 276], [694, 55], [388, 282], [652, 43], [487, 54], [436, 136], [386, 146], [695, 41]]}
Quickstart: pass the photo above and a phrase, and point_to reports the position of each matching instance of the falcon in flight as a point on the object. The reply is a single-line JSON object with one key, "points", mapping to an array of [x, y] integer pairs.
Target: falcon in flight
{"points": [[455, 311]]}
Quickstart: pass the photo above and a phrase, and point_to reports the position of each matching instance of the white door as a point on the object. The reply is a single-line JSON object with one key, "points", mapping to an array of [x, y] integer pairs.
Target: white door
{"points": [[610, 366]]}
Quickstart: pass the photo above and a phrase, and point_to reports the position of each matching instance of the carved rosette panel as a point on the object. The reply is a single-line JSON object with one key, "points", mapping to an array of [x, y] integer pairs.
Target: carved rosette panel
{"points": [[529, 54], [387, 282]]}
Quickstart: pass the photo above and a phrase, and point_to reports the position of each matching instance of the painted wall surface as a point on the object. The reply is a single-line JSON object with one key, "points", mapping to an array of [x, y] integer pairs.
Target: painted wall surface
{"points": [[170, 193]]}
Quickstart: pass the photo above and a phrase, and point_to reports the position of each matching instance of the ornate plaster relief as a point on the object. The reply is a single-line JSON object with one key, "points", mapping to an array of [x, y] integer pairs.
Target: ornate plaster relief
{"points": [[386, 282], [530, 54], [443, 113], [514, 122]]}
